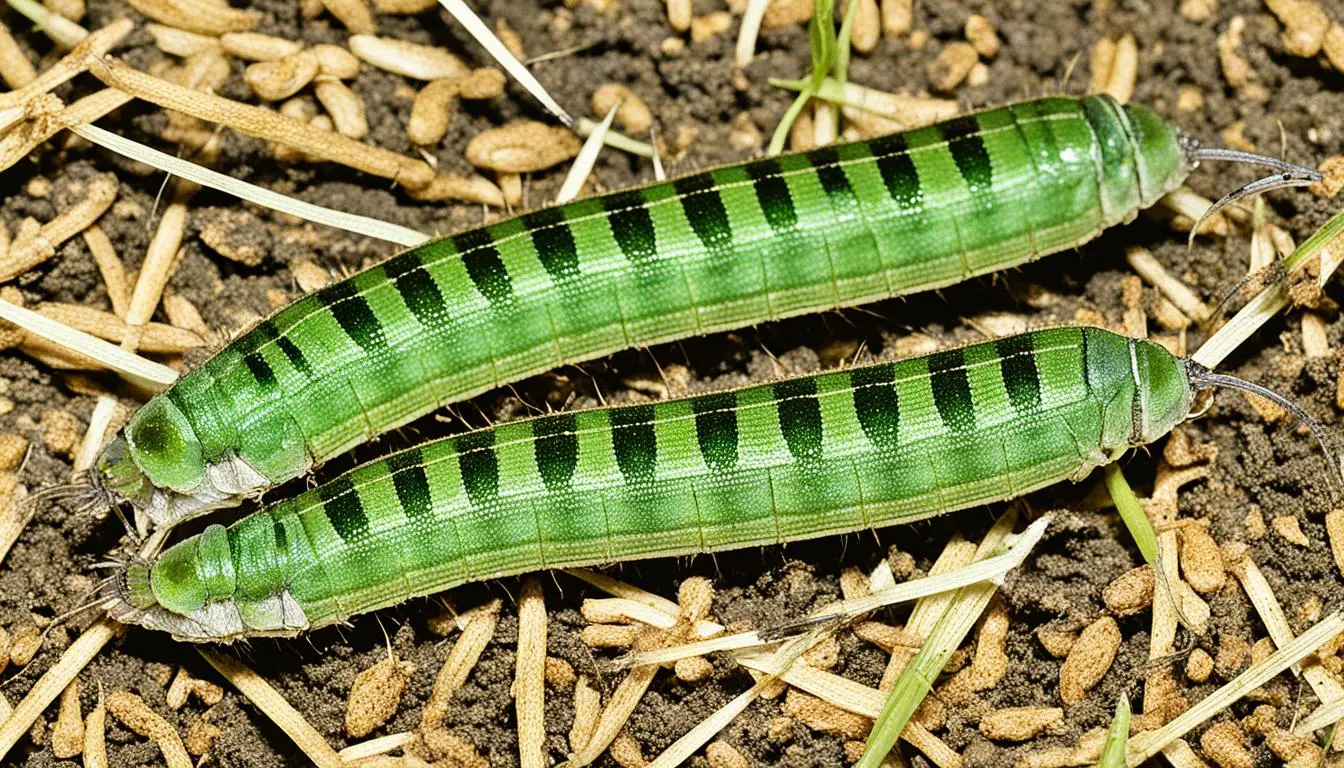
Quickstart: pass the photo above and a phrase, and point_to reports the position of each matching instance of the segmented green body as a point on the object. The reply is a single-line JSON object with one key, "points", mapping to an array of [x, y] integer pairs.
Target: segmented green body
{"points": [[798, 458], [833, 227]]}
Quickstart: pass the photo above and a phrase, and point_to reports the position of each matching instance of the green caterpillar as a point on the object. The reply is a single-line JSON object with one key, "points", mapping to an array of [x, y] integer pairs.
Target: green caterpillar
{"points": [[725, 248], [798, 458]]}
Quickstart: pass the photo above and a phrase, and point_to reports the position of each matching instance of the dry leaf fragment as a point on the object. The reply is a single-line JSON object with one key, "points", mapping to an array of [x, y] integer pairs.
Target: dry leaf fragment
{"points": [[375, 695], [1020, 723], [522, 146], [1089, 659]]}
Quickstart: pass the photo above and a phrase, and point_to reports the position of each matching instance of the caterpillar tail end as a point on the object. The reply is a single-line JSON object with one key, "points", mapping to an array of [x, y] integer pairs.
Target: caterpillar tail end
{"points": [[129, 597]]}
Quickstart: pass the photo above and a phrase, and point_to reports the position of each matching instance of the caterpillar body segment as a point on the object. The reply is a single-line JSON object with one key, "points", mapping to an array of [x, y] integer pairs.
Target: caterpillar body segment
{"points": [[833, 227], [797, 458]]}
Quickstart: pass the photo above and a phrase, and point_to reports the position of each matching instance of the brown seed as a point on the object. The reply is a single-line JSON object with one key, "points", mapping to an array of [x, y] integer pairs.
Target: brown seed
{"points": [[204, 16], [1089, 659], [354, 14], [522, 146], [786, 13], [897, 16], [67, 737], [693, 669], [1236, 70], [709, 26], [1333, 45], [1225, 745], [980, 32], [335, 61], [609, 635], [695, 596], [12, 450], [1131, 592], [282, 78], [1198, 11], [1199, 665], [1056, 642], [179, 42], [559, 673], [1020, 723], [1290, 529], [61, 432], [375, 695], [450, 186], [633, 114], [421, 62], [1201, 560], [626, 751], [721, 754], [951, 66], [201, 735], [1232, 654], [345, 107], [254, 46], [404, 6], [446, 749]]}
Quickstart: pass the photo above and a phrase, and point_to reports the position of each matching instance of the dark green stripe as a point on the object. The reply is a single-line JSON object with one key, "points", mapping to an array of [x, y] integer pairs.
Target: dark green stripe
{"points": [[705, 210], [261, 370], [412, 484], [281, 538], [262, 333], [479, 466], [341, 502], [417, 289], [294, 355], [716, 429], [772, 192], [1020, 378], [968, 151], [877, 403], [1115, 143], [556, 449], [632, 226], [353, 314], [952, 390], [487, 271], [800, 417], [634, 442], [898, 171], [554, 242], [831, 174]]}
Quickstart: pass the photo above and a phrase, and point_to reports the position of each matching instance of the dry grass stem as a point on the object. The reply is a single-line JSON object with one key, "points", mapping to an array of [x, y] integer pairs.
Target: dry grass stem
{"points": [[95, 45], [111, 268], [501, 54], [204, 16], [461, 660], [374, 747], [62, 31], [1148, 744], [157, 267], [1178, 293], [907, 111], [615, 610], [154, 337], [586, 159], [615, 715], [349, 222], [419, 62], [269, 701], [1189, 206], [15, 68], [142, 372], [587, 709], [136, 715], [749, 31], [28, 253], [1115, 67], [529, 684], [45, 118], [265, 124]]}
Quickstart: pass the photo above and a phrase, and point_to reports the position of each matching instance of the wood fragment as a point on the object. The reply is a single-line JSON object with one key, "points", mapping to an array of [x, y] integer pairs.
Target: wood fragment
{"points": [[1147, 266]]}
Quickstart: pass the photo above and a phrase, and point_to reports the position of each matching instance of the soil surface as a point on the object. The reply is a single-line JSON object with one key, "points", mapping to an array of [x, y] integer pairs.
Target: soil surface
{"points": [[1269, 466]]}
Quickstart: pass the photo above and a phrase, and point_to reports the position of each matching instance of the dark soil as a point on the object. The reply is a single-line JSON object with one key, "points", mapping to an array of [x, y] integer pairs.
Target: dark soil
{"points": [[1268, 465]]}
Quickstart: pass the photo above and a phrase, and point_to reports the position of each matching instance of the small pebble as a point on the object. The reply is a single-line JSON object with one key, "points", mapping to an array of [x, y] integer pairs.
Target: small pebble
{"points": [[1290, 529], [951, 66], [1199, 665]]}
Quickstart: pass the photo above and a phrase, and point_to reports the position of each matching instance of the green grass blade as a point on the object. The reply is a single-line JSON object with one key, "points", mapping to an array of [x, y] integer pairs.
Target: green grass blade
{"points": [[1131, 512], [1113, 753]]}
